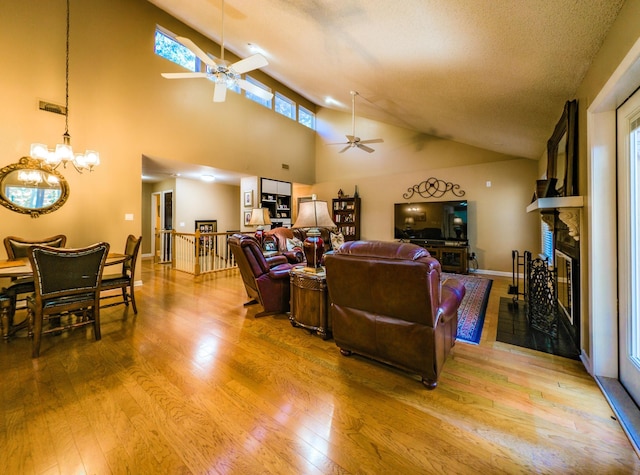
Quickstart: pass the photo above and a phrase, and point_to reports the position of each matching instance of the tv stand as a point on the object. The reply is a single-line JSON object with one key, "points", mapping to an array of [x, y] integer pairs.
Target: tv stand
{"points": [[452, 255]]}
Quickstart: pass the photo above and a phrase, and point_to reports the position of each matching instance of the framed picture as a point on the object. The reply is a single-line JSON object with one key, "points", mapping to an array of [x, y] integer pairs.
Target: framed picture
{"points": [[269, 244], [207, 226], [247, 217], [248, 199]]}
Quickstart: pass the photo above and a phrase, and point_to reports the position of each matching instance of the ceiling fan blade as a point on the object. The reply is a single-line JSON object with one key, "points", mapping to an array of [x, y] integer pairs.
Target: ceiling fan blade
{"points": [[340, 143], [346, 148], [255, 90], [365, 148], [372, 141], [220, 92], [183, 75], [204, 57], [249, 64], [352, 138]]}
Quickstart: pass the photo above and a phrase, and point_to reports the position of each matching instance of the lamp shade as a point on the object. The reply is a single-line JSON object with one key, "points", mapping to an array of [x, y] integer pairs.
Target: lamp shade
{"points": [[314, 214], [457, 221], [259, 217]]}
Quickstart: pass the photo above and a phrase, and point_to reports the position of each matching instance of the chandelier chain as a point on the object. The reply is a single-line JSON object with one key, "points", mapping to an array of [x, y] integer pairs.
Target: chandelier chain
{"points": [[66, 78]]}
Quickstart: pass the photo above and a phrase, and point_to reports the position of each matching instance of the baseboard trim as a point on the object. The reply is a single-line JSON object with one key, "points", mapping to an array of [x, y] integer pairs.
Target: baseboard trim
{"points": [[497, 273]]}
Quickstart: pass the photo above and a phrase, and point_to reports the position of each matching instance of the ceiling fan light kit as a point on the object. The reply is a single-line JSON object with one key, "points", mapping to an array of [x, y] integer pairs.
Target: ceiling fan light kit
{"points": [[220, 72], [353, 140]]}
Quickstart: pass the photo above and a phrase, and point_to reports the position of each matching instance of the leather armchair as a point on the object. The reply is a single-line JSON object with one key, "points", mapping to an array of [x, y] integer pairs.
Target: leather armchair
{"points": [[281, 235], [265, 279], [387, 303]]}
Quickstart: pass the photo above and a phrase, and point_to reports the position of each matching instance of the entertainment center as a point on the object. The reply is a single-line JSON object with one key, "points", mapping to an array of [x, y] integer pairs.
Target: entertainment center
{"points": [[438, 226]]}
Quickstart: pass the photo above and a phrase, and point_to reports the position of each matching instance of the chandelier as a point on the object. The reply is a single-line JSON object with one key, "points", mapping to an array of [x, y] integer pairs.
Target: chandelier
{"points": [[63, 153]]}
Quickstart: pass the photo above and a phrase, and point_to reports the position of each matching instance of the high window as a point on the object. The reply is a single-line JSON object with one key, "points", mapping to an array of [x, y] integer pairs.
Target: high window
{"points": [[306, 117], [167, 47], [285, 106], [253, 97]]}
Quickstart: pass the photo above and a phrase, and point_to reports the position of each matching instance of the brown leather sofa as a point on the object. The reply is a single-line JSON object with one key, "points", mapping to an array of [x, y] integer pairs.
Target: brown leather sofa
{"points": [[387, 303], [265, 279], [281, 235]]}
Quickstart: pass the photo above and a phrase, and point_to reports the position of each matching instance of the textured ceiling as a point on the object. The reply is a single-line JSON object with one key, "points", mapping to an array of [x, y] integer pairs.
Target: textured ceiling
{"points": [[489, 73]]}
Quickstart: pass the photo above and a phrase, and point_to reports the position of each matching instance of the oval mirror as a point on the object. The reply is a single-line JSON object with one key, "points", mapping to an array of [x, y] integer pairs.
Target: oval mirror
{"points": [[32, 187]]}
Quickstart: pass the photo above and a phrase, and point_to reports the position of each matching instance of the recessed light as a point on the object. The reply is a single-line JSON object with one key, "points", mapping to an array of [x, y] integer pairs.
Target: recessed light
{"points": [[331, 101], [207, 178], [254, 48]]}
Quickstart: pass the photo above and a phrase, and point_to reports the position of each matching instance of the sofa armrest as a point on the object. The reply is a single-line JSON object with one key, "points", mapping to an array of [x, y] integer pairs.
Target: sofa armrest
{"points": [[280, 271], [276, 260], [452, 293], [294, 256]]}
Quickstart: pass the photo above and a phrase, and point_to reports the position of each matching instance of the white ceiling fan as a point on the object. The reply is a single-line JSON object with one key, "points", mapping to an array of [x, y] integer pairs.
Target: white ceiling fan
{"points": [[222, 73], [353, 140]]}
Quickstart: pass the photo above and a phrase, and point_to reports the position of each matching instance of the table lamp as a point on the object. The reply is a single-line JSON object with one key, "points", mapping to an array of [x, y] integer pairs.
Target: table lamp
{"points": [[260, 218], [457, 226], [313, 215]]}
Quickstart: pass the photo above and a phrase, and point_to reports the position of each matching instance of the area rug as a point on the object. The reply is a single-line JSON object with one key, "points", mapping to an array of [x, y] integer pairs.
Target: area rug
{"points": [[473, 307]]}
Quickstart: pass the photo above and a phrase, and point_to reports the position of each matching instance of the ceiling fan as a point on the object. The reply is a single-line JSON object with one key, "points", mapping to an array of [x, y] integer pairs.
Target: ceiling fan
{"points": [[353, 140], [222, 73]]}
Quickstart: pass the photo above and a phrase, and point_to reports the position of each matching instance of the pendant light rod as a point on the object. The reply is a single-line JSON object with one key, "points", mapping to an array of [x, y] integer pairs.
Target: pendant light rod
{"points": [[222, 33], [353, 113]]}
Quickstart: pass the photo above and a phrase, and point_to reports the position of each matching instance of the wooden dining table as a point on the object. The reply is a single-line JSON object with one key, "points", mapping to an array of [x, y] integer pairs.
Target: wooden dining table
{"points": [[13, 268], [20, 268]]}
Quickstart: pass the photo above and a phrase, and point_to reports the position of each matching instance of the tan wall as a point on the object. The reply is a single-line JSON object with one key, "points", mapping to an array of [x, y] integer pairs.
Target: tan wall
{"points": [[498, 222], [121, 106], [197, 200]]}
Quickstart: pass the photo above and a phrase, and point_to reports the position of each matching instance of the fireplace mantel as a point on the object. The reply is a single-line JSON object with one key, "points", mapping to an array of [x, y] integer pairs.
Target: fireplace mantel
{"points": [[568, 210]]}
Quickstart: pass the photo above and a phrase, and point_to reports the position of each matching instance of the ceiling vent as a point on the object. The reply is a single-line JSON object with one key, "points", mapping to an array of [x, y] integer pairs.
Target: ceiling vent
{"points": [[51, 107]]}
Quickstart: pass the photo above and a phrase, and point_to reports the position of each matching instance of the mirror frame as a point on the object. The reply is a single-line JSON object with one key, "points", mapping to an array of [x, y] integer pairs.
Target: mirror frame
{"points": [[566, 185], [28, 163]]}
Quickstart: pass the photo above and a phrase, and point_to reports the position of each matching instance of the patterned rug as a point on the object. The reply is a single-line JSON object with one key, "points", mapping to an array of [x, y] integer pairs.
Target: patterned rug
{"points": [[473, 307]]}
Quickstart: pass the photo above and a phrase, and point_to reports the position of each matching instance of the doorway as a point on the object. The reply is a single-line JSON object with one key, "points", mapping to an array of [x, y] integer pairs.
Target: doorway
{"points": [[628, 177], [161, 225]]}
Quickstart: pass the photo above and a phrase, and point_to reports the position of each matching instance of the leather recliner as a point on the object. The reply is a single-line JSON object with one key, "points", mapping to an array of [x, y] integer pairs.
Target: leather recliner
{"points": [[387, 303], [265, 279]]}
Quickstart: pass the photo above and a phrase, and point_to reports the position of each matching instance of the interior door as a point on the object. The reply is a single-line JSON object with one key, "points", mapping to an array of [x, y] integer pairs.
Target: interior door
{"points": [[628, 164]]}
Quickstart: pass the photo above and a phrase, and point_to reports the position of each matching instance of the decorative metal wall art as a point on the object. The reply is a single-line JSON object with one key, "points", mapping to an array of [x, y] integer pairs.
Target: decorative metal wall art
{"points": [[433, 188]]}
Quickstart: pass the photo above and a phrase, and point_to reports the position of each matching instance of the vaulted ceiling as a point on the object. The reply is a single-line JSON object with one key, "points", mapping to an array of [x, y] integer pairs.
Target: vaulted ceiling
{"points": [[489, 73]]}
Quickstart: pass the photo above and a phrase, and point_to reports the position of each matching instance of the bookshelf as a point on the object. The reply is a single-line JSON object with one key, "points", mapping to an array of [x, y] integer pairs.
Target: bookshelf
{"points": [[346, 215]]}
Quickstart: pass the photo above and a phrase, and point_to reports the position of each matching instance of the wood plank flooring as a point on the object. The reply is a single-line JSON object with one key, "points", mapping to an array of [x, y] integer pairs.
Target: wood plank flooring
{"points": [[195, 384]]}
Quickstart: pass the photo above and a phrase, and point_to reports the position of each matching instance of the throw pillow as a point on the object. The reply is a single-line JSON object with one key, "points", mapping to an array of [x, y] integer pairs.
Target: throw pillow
{"points": [[337, 240], [294, 243]]}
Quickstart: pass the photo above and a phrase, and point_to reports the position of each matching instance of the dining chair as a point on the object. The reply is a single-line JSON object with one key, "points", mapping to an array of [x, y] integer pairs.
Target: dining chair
{"points": [[67, 290], [20, 287], [18, 247], [126, 279]]}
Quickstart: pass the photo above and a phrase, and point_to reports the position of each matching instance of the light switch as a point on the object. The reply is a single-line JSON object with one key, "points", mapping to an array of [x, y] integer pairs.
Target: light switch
{"points": [[128, 217], [182, 224], [488, 184]]}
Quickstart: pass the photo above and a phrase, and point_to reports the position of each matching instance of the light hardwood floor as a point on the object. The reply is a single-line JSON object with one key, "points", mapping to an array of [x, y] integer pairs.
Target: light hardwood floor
{"points": [[195, 384]]}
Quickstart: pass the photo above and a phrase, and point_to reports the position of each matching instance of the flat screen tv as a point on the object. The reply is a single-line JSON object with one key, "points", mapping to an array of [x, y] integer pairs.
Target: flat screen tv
{"points": [[433, 221]]}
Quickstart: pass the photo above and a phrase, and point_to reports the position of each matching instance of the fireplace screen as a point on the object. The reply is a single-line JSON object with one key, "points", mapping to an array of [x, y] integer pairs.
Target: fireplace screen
{"points": [[563, 272]]}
